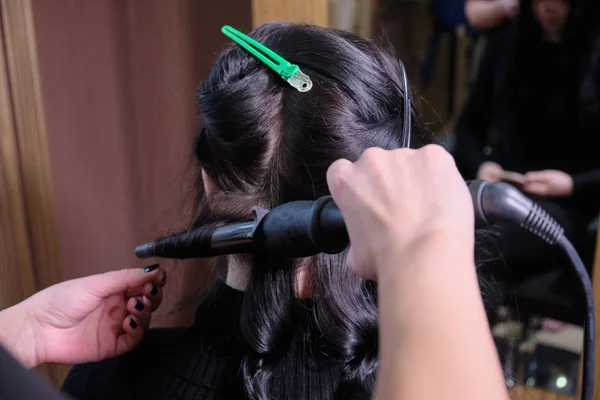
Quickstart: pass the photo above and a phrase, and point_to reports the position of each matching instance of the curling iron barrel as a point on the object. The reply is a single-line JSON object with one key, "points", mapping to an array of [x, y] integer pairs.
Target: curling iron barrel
{"points": [[295, 229]]}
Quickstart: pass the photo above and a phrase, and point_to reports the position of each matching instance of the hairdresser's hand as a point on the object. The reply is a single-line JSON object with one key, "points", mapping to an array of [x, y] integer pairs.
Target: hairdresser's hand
{"points": [[410, 217], [490, 171], [395, 202], [83, 320], [548, 183]]}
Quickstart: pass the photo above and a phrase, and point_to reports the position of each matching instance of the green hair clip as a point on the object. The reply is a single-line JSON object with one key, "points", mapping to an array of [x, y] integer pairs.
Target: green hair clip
{"points": [[288, 71]]}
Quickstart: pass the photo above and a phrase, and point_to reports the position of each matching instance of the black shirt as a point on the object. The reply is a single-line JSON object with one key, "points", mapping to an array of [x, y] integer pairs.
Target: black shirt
{"points": [[526, 116], [203, 362], [18, 383]]}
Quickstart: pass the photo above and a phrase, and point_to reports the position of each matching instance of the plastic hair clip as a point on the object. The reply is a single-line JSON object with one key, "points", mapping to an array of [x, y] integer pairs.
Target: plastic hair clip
{"points": [[288, 71]]}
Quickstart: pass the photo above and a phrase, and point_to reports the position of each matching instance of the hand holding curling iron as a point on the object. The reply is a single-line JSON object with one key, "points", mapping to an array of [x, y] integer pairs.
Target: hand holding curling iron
{"points": [[421, 188]]}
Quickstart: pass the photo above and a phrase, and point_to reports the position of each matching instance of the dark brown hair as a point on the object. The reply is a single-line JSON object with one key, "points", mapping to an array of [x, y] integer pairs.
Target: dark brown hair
{"points": [[264, 143]]}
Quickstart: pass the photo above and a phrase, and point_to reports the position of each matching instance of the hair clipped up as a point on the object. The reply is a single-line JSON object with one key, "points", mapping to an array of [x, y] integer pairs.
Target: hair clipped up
{"points": [[265, 143]]}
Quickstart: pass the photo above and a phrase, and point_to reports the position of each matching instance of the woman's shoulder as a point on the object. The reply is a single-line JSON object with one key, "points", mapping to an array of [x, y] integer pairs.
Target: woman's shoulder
{"points": [[167, 361]]}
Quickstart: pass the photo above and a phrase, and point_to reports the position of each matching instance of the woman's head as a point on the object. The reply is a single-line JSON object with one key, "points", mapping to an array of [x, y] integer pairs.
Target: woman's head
{"points": [[552, 16], [265, 139], [262, 142]]}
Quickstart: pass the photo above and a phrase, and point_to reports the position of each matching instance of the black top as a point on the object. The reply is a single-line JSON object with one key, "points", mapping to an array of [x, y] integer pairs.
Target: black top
{"points": [[202, 362], [588, 183], [18, 383], [526, 116]]}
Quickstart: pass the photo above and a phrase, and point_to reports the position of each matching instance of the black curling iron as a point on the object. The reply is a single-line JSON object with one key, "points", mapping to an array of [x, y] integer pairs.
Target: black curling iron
{"points": [[306, 228]]}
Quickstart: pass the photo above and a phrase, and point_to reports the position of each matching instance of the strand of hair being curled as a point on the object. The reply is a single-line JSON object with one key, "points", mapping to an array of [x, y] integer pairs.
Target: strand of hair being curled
{"points": [[348, 323]]}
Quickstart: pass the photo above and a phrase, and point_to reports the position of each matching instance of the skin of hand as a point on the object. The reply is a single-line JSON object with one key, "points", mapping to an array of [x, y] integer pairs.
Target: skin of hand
{"points": [[490, 171], [487, 14], [412, 186], [410, 221], [550, 183], [83, 320]]}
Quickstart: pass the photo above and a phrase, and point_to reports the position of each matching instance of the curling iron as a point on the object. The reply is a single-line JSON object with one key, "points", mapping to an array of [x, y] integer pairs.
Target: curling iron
{"points": [[305, 228]]}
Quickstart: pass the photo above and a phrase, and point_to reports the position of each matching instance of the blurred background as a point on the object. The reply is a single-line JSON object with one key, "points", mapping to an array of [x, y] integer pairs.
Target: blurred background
{"points": [[98, 110]]}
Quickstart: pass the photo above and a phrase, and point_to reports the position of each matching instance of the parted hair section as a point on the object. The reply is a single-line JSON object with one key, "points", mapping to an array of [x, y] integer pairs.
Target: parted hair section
{"points": [[262, 142]]}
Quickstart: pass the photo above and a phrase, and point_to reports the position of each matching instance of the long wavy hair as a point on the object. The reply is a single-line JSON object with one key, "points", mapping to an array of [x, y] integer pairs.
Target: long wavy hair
{"points": [[264, 143]]}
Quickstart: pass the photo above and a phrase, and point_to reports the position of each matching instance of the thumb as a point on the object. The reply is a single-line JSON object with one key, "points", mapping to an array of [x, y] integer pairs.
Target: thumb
{"points": [[113, 282], [337, 174]]}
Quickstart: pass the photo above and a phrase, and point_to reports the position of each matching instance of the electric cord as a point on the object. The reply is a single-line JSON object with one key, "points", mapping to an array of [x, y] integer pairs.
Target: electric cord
{"points": [[501, 202], [589, 334]]}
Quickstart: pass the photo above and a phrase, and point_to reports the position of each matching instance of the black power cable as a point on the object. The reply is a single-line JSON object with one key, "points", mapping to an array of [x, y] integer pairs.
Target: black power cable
{"points": [[500, 202], [589, 333]]}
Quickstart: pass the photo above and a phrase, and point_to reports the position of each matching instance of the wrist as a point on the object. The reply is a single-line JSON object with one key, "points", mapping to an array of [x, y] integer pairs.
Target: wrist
{"points": [[430, 273], [18, 336], [434, 249]]}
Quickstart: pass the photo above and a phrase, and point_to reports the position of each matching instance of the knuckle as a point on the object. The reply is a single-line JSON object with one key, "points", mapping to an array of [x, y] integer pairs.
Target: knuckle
{"points": [[438, 155], [374, 159], [435, 150], [339, 174]]}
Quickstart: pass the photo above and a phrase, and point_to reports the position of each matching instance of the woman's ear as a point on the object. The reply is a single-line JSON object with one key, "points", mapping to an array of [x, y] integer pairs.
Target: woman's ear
{"points": [[209, 185]]}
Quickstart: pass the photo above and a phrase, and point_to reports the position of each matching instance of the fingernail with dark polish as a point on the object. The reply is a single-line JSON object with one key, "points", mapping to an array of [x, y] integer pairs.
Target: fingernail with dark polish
{"points": [[154, 291], [132, 324], [139, 305], [150, 268]]}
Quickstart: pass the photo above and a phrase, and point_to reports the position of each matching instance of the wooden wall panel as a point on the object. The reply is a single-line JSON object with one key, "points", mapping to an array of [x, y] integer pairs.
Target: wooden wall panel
{"points": [[119, 81], [29, 252], [308, 11], [30, 128], [16, 265]]}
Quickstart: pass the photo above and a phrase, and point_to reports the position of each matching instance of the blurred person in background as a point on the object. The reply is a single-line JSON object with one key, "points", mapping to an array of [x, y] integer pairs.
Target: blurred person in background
{"points": [[557, 183], [529, 111]]}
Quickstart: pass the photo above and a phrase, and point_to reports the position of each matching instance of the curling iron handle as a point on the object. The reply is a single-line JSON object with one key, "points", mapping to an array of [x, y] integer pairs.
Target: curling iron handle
{"points": [[304, 228], [492, 202]]}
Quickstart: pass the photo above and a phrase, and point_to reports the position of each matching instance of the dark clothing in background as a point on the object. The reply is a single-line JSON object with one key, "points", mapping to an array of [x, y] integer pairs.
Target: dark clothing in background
{"points": [[588, 183], [18, 383], [528, 118], [524, 113], [203, 362]]}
